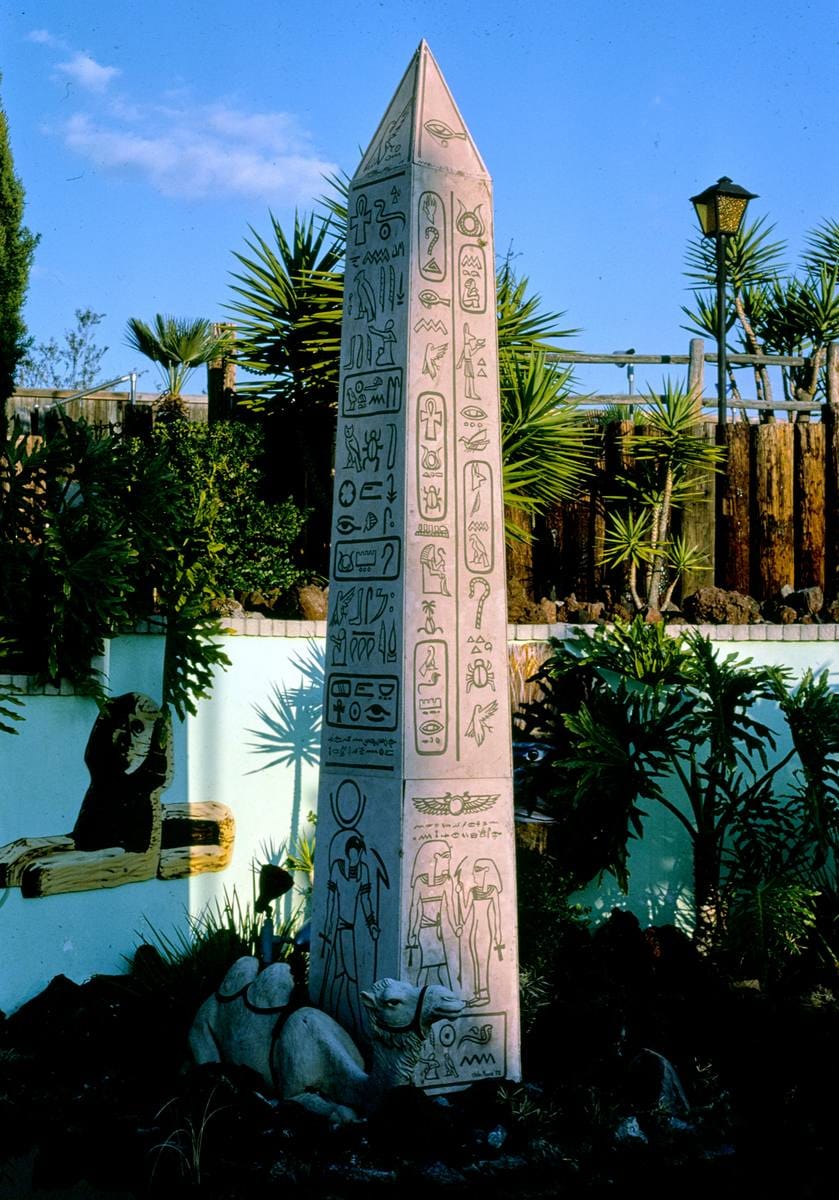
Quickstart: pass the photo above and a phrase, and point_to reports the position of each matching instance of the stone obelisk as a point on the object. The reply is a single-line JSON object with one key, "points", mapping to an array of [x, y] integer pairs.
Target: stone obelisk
{"points": [[415, 863]]}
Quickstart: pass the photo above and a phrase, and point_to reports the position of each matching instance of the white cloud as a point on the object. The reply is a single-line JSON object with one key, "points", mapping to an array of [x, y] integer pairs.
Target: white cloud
{"points": [[183, 148], [44, 38], [203, 151], [88, 73], [272, 131]]}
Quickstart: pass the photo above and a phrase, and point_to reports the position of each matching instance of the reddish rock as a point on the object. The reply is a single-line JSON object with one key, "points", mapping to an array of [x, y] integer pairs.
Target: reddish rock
{"points": [[313, 602], [716, 606]]}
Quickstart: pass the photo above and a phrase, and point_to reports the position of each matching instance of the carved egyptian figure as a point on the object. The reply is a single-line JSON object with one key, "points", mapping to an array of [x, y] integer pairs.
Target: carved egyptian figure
{"points": [[127, 756], [433, 926]]}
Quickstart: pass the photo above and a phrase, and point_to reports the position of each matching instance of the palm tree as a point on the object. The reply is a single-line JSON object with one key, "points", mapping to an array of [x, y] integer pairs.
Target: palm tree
{"points": [[752, 264], [294, 352], [177, 345]]}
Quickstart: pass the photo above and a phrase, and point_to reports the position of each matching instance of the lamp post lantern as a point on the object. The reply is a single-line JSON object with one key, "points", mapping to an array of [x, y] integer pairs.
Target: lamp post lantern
{"points": [[720, 209]]}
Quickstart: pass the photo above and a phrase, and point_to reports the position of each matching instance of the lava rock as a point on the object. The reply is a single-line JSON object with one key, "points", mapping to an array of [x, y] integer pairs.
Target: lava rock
{"points": [[789, 606], [313, 601], [716, 606]]}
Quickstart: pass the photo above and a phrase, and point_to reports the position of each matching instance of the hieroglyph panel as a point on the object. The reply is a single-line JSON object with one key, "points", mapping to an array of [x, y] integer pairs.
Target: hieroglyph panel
{"points": [[364, 688], [417, 553]]}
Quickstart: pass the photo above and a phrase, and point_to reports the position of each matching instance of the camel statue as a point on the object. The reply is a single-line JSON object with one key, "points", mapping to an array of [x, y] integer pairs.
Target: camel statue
{"points": [[236, 1025], [306, 1056]]}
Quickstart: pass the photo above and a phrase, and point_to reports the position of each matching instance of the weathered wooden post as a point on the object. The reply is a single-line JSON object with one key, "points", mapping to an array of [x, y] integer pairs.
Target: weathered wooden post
{"points": [[830, 417], [221, 382], [774, 508], [415, 869], [734, 510], [809, 503], [698, 518]]}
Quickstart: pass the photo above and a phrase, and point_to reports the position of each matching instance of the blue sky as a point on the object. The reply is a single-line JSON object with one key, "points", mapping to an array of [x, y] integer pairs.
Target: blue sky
{"points": [[150, 136]]}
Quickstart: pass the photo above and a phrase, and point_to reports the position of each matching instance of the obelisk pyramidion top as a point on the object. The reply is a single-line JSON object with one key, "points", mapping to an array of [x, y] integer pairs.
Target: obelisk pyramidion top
{"points": [[422, 125]]}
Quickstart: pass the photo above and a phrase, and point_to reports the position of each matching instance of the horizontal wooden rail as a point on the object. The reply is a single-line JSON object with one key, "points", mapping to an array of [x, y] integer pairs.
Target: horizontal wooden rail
{"points": [[59, 396], [622, 360], [599, 400]]}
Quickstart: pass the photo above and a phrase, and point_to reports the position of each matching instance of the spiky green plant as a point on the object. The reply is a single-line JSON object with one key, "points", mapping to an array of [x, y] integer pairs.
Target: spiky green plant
{"points": [[752, 262], [546, 446], [188, 1139], [279, 300], [177, 345], [634, 718], [186, 965], [801, 317], [668, 454], [774, 311]]}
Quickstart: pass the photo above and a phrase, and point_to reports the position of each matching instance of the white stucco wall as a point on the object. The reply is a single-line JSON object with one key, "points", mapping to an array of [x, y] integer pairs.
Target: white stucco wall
{"points": [[43, 779]]}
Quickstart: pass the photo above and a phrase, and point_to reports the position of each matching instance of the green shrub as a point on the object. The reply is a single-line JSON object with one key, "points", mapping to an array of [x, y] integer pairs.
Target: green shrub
{"points": [[98, 531], [632, 718], [67, 559], [225, 461]]}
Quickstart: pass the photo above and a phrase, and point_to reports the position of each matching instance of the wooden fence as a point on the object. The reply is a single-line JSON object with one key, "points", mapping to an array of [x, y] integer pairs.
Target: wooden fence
{"points": [[769, 518], [101, 408]]}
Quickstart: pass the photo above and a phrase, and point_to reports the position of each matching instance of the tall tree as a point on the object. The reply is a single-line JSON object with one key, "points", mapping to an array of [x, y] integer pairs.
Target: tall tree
{"points": [[72, 364], [17, 246], [770, 310]]}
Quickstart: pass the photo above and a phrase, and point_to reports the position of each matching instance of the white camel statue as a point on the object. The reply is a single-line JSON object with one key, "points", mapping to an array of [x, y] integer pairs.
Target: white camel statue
{"points": [[236, 1024], [307, 1056]]}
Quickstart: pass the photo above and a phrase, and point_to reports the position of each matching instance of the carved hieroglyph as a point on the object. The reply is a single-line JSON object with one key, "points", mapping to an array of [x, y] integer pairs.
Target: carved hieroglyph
{"points": [[415, 873]]}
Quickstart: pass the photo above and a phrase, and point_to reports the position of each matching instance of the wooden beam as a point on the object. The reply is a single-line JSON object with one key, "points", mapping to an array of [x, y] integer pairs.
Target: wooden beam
{"points": [[773, 507], [809, 484]]}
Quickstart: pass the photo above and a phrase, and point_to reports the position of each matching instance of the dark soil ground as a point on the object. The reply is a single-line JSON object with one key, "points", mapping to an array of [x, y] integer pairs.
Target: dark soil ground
{"points": [[97, 1098]]}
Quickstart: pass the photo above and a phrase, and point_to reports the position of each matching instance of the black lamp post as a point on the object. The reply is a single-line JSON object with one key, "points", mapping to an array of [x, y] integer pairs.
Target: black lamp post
{"points": [[721, 209]]}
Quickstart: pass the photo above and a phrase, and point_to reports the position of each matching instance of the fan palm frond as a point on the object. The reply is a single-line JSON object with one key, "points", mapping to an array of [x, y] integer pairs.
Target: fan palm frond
{"points": [[177, 345]]}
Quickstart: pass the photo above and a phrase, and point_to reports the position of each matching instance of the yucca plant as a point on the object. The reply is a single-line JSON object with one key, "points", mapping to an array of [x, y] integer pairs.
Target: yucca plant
{"points": [[774, 312], [279, 294], [288, 293], [801, 317], [546, 446], [667, 456]]}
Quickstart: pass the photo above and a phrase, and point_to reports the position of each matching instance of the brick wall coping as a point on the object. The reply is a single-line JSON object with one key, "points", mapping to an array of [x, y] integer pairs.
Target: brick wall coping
{"points": [[254, 625]]}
